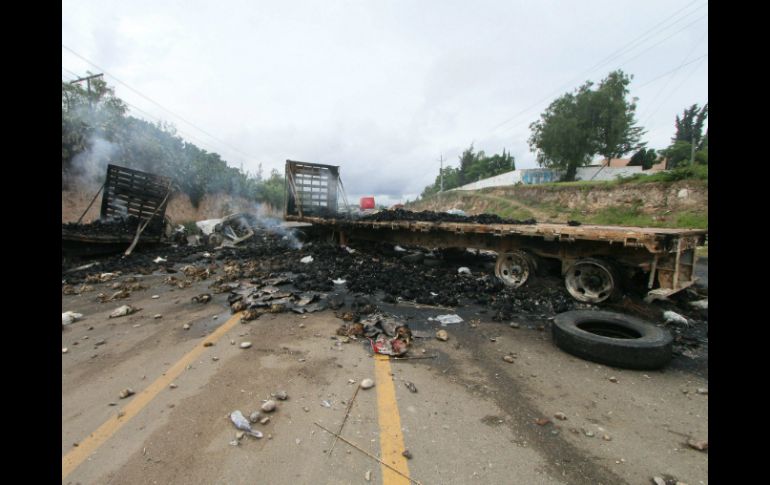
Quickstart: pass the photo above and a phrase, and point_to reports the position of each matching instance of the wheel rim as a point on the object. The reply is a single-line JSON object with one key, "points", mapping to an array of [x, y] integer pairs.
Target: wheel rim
{"points": [[514, 268], [590, 281]]}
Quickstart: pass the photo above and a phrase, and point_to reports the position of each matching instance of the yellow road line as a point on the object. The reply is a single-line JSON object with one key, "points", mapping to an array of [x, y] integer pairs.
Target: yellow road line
{"points": [[87, 446], [391, 439]]}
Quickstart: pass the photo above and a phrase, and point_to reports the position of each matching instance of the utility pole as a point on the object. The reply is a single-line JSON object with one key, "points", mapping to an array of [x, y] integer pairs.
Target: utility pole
{"points": [[441, 172], [692, 150], [88, 80]]}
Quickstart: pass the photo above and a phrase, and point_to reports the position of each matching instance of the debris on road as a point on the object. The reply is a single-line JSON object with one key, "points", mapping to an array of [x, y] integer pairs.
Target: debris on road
{"points": [[698, 445], [202, 298], [269, 406], [442, 335], [702, 390], [509, 359], [69, 317], [407, 454], [367, 383], [64, 350], [445, 320], [282, 395], [560, 416], [126, 392], [613, 379], [306, 260], [245, 345], [673, 317], [410, 386], [242, 424], [542, 421], [123, 311]]}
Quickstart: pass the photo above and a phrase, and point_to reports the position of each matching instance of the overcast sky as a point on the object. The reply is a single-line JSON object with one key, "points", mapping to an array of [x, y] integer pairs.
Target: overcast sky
{"points": [[382, 88]]}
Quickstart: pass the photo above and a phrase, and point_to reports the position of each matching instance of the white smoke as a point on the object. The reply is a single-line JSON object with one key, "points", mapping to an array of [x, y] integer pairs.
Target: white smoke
{"points": [[90, 166], [275, 226]]}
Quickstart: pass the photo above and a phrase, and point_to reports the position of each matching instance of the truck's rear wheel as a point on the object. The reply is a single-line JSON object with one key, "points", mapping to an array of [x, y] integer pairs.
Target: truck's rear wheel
{"points": [[515, 268], [591, 280]]}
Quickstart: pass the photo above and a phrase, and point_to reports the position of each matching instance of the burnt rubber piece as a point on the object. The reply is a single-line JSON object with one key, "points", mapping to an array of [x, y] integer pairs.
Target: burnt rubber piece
{"points": [[613, 339]]}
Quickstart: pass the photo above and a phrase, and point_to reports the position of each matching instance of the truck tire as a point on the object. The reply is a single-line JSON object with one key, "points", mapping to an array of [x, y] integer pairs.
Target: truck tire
{"points": [[613, 339]]}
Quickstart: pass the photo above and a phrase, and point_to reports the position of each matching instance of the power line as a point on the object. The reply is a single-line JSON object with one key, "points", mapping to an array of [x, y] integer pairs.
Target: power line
{"points": [[671, 93], [159, 105], [610, 57], [672, 70], [655, 98]]}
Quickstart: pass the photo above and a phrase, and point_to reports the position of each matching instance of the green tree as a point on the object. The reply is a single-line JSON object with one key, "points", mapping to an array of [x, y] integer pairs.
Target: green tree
{"points": [[577, 126], [616, 130], [564, 137], [689, 127], [644, 158]]}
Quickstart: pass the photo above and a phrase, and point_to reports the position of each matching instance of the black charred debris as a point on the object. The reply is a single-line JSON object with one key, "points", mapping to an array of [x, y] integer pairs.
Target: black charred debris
{"points": [[280, 281], [430, 216]]}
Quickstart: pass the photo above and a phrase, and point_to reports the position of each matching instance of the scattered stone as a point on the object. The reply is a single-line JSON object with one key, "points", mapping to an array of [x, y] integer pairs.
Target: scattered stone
{"points": [[698, 445], [173, 385], [215, 359], [186, 326], [613, 379], [326, 404], [367, 383], [306, 409], [245, 345], [126, 392], [702, 390], [658, 481], [112, 404], [514, 325], [64, 350], [268, 406], [367, 475], [75, 444], [442, 335], [607, 437], [208, 344], [301, 325], [560, 415], [407, 454], [509, 359], [542, 421], [410, 386], [100, 342], [121, 414], [157, 315], [264, 420], [155, 297], [232, 342], [590, 434], [282, 395], [255, 416], [234, 443]]}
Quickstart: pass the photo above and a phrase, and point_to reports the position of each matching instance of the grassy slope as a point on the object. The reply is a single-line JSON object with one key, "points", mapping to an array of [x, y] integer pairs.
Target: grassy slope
{"points": [[524, 202]]}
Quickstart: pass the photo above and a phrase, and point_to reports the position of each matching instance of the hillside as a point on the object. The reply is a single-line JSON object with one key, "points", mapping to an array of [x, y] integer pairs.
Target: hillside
{"points": [[681, 203]]}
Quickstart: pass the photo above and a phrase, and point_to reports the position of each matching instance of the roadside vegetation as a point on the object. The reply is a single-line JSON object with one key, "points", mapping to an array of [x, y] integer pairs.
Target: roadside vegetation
{"points": [[97, 130]]}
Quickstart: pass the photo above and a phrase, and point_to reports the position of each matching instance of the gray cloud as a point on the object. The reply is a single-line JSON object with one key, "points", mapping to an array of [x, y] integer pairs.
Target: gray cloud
{"points": [[381, 89]]}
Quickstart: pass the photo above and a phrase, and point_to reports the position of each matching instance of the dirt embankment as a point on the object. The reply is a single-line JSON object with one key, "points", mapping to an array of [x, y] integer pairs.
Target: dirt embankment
{"points": [[650, 202], [180, 209]]}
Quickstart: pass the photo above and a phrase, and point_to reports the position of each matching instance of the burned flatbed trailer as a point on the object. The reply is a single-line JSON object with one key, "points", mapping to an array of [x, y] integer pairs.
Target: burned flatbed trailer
{"points": [[132, 211], [594, 259]]}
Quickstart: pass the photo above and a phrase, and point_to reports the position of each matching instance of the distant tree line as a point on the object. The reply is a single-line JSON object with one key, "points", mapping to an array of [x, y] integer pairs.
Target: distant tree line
{"points": [[474, 166], [96, 130], [578, 126]]}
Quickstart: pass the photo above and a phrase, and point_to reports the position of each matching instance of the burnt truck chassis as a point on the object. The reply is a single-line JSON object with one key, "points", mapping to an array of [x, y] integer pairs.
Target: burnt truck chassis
{"points": [[594, 259]]}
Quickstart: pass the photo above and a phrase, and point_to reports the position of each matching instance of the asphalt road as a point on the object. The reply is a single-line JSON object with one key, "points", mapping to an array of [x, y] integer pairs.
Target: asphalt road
{"points": [[472, 419]]}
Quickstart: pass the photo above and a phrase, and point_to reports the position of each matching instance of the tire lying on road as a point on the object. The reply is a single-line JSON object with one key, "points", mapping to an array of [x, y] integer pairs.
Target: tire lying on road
{"points": [[613, 339]]}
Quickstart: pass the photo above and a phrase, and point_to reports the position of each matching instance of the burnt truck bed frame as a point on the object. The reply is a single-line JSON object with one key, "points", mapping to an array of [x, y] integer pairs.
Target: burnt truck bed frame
{"points": [[129, 192], [667, 256]]}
